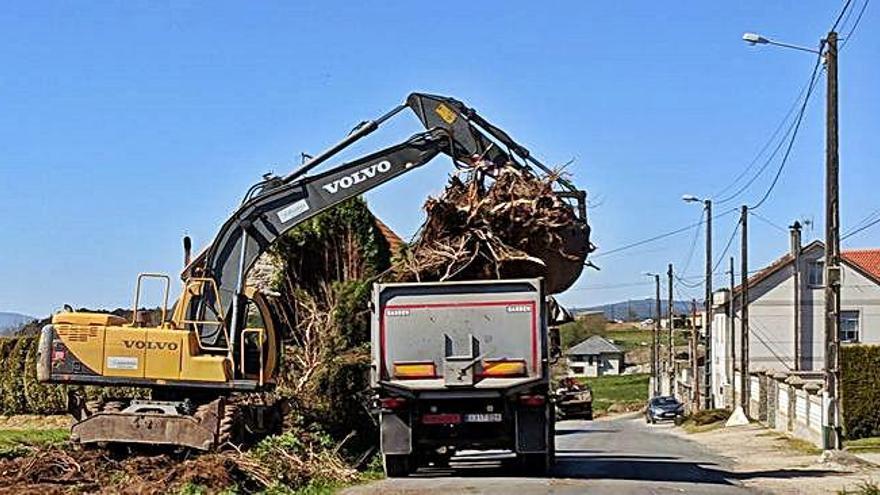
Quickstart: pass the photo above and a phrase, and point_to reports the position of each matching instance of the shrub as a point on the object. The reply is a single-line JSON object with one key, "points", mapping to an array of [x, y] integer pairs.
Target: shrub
{"points": [[709, 416], [860, 390]]}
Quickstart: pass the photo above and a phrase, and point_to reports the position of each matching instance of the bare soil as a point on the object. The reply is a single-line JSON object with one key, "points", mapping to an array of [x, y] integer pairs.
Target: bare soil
{"points": [[771, 462]]}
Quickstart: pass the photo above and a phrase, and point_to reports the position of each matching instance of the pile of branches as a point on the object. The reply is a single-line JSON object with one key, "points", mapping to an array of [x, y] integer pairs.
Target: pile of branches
{"points": [[290, 461], [495, 222]]}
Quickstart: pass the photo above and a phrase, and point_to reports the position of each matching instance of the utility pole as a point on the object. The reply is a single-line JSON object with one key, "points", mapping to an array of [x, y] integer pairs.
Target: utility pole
{"points": [[731, 332], [795, 237], [670, 310], [744, 314], [832, 437], [695, 368], [707, 324], [655, 344]]}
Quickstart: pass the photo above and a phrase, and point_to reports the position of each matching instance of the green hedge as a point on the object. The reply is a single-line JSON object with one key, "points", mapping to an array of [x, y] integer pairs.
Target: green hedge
{"points": [[21, 393], [860, 390]]}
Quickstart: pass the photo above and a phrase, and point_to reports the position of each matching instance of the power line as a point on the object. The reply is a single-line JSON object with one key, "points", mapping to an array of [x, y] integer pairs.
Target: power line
{"points": [[860, 223], [613, 286], [726, 247], [795, 104], [854, 232], [690, 255], [769, 222], [660, 236], [792, 129], [681, 281], [846, 20], [794, 134], [840, 16], [855, 25]]}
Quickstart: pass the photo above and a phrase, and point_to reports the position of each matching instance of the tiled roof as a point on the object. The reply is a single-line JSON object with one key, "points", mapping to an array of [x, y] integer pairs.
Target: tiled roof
{"points": [[395, 243], [866, 259], [595, 345], [777, 265]]}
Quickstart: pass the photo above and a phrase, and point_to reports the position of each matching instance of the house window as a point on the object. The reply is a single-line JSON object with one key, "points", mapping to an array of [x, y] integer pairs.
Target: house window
{"points": [[849, 326], [816, 274], [590, 360], [577, 370]]}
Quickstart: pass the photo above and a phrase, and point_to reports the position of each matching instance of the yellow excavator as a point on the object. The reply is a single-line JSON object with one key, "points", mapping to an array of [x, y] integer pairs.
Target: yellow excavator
{"points": [[207, 360]]}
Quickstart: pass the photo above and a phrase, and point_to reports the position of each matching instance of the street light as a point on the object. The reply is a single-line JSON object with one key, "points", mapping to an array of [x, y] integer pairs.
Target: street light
{"points": [[655, 337], [756, 39], [708, 395], [832, 434]]}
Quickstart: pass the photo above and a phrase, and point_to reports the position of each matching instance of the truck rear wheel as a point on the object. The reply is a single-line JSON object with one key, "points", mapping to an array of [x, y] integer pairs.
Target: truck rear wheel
{"points": [[396, 466]]}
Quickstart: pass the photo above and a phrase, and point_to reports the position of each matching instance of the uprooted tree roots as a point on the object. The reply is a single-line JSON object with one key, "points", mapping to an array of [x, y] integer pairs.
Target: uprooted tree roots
{"points": [[286, 459], [498, 222]]}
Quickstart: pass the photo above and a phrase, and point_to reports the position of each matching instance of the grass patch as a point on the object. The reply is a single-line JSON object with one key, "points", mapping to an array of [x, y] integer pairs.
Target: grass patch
{"points": [[621, 390], [14, 442], [788, 443], [800, 446], [691, 427], [707, 420], [868, 444]]}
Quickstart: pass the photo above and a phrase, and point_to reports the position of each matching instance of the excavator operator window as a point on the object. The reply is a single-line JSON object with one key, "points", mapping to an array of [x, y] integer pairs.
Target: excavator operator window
{"points": [[205, 316]]}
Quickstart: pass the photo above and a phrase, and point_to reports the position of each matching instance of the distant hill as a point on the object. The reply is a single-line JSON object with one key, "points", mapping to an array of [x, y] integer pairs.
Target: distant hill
{"points": [[636, 309], [10, 322]]}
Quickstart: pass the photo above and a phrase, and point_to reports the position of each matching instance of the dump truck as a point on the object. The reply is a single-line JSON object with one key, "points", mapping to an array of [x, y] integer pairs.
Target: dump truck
{"points": [[462, 366]]}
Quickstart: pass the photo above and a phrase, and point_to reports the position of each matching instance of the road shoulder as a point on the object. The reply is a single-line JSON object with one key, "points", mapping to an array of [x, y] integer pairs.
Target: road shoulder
{"points": [[766, 460]]}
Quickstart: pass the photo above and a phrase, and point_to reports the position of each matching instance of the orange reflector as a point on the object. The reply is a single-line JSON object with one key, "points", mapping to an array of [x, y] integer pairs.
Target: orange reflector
{"points": [[504, 367], [415, 370]]}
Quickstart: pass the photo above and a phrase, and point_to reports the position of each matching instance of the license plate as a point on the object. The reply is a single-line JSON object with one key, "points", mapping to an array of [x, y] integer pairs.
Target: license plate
{"points": [[482, 418]]}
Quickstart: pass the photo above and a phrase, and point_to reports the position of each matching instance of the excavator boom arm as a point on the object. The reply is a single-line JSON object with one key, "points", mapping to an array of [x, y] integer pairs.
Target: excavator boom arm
{"points": [[277, 204]]}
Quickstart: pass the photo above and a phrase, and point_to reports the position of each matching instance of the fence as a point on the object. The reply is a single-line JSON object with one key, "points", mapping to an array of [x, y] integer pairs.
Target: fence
{"points": [[787, 402]]}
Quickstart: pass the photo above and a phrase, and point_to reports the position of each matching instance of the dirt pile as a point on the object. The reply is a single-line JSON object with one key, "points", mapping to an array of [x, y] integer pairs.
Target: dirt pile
{"points": [[498, 222]]}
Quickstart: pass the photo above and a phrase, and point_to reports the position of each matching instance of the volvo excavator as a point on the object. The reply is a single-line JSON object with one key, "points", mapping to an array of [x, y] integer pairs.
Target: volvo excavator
{"points": [[220, 341]]}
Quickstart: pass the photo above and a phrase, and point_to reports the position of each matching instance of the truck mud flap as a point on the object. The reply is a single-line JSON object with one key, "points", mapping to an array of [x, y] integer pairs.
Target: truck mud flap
{"points": [[142, 428], [396, 434], [531, 430]]}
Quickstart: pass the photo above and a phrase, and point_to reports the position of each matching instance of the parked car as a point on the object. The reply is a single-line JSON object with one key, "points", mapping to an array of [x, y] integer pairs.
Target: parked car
{"points": [[574, 400], [664, 408]]}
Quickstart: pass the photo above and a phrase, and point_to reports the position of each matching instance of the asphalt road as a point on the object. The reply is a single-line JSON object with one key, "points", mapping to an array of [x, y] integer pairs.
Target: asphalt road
{"points": [[619, 456]]}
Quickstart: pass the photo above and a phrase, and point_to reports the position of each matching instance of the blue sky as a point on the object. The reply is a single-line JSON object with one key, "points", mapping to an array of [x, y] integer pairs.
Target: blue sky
{"points": [[127, 124]]}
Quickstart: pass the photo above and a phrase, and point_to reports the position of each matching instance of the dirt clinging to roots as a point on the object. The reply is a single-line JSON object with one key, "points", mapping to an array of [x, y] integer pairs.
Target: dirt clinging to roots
{"points": [[496, 222]]}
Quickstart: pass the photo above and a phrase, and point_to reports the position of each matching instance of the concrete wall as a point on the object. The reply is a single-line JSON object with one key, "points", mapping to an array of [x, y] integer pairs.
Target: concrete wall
{"points": [[783, 402]]}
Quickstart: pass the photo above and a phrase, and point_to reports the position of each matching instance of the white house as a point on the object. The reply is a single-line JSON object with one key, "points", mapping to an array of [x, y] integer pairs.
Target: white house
{"points": [[787, 311], [595, 356]]}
